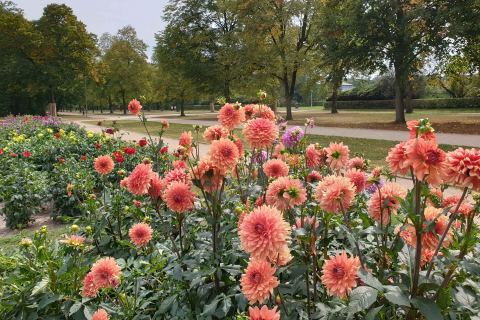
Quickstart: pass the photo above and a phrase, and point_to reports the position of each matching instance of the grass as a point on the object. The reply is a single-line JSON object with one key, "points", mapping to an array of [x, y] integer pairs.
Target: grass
{"points": [[9, 242], [373, 149]]}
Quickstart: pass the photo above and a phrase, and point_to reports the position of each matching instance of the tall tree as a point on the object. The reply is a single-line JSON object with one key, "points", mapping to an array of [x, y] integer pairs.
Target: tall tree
{"points": [[126, 65], [403, 33], [279, 35], [68, 50]]}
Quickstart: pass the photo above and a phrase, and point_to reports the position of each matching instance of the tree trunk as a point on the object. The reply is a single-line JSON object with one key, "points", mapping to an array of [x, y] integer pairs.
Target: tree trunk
{"points": [[124, 102], [226, 84], [182, 105], [211, 105], [337, 80], [408, 98], [110, 105], [399, 94], [288, 98]]}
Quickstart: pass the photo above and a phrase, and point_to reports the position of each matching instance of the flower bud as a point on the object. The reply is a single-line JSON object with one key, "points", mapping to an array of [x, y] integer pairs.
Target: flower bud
{"points": [[74, 228]]}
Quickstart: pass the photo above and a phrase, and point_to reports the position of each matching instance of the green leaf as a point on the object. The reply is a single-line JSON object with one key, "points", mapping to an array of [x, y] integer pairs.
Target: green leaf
{"points": [[40, 286], [428, 308], [372, 314], [46, 300], [370, 280], [165, 305], [396, 296], [210, 308], [464, 298], [76, 306], [361, 298]]}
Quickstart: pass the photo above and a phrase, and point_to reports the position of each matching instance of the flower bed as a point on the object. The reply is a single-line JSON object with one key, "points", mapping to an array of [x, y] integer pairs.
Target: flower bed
{"points": [[274, 229]]}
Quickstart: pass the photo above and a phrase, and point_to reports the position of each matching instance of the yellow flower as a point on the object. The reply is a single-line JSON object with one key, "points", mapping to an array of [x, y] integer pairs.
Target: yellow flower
{"points": [[90, 134], [49, 130], [40, 135], [61, 131]]}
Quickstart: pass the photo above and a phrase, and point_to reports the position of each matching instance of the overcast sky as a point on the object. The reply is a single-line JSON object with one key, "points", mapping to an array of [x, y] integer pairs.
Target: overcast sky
{"points": [[109, 15]]}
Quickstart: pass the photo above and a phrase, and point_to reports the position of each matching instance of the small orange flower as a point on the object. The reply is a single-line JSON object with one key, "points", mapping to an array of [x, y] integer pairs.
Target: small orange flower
{"points": [[340, 274], [258, 281], [104, 165]]}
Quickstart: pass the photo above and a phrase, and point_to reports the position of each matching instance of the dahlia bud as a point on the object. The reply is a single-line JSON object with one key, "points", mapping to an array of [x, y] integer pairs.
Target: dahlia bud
{"points": [[26, 242], [126, 208], [88, 230], [147, 220], [146, 161], [43, 229], [262, 95], [121, 172], [74, 228], [238, 210], [278, 300]]}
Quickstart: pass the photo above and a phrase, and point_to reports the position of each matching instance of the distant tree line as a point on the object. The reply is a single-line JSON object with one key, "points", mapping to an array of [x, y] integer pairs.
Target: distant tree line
{"points": [[231, 49]]}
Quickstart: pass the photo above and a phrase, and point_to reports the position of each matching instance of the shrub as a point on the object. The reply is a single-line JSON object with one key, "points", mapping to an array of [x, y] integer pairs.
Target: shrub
{"points": [[449, 103]]}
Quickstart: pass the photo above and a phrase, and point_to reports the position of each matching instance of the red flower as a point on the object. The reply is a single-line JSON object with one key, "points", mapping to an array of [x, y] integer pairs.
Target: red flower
{"points": [[118, 157], [1, 151], [98, 146], [129, 150], [57, 135], [13, 155], [142, 142], [110, 131], [27, 154], [83, 158], [164, 150]]}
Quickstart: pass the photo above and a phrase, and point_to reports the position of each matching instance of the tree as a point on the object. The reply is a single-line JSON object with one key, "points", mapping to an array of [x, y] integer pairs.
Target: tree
{"points": [[126, 66], [278, 33], [68, 50], [403, 33]]}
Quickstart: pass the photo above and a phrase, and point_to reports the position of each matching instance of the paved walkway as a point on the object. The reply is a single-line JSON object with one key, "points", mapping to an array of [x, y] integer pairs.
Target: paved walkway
{"points": [[391, 135]]}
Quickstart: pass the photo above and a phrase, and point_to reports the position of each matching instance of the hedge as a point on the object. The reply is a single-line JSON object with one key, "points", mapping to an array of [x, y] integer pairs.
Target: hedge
{"points": [[450, 103]]}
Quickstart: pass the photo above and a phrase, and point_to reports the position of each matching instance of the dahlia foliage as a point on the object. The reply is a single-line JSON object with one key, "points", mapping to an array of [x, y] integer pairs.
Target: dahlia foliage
{"points": [[267, 224]]}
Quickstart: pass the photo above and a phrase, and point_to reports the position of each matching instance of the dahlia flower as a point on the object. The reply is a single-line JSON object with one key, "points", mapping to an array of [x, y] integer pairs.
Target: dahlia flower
{"points": [[337, 155], [292, 136], [263, 232], [224, 154], [263, 314], [90, 289], [134, 107], [208, 174], [157, 185], [340, 274], [427, 160], [358, 178], [100, 314], [140, 234], [258, 281], [381, 208], [104, 165], [275, 168], [106, 273], [335, 193], [463, 168], [314, 176], [231, 115], [140, 179], [216, 132], [179, 197], [260, 133], [314, 155], [285, 193], [397, 159], [358, 163], [177, 175]]}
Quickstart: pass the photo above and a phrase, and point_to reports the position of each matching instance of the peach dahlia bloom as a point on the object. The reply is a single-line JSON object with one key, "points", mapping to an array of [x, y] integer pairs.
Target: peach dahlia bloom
{"points": [[463, 168], [216, 132], [314, 176], [134, 107], [258, 281], [179, 197], [335, 193], [231, 115], [139, 180], [386, 201], [263, 314], [100, 314], [340, 274], [224, 154], [156, 187], [314, 155], [275, 168], [358, 163], [260, 133], [263, 232], [337, 155], [104, 165], [185, 139], [177, 175], [90, 289], [140, 234], [397, 159], [208, 174], [285, 193], [427, 160], [414, 128], [358, 178], [106, 273]]}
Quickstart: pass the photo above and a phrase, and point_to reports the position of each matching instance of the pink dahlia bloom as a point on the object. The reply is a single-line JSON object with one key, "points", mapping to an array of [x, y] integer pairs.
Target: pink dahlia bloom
{"points": [[179, 164], [100, 314], [140, 234], [463, 168], [224, 154], [263, 314], [263, 232], [358, 163], [337, 155], [427, 160], [414, 128], [260, 133], [340, 274], [275, 168], [231, 115], [157, 185], [216, 132], [177, 175], [358, 178], [134, 107], [104, 165], [314, 155], [106, 273], [314, 176], [335, 193], [397, 159], [140, 179], [90, 289], [208, 174], [258, 281], [285, 193], [386, 201], [185, 139], [179, 197]]}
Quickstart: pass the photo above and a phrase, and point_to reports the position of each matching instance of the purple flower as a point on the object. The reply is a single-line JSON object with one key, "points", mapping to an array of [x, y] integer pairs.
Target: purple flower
{"points": [[373, 187], [292, 136], [260, 157]]}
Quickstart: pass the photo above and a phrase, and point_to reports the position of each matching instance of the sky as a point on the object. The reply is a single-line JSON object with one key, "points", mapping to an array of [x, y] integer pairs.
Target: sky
{"points": [[102, 16]]}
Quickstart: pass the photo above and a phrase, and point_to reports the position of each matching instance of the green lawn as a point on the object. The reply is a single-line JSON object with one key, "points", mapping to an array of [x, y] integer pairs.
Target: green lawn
{"points": [[373, 149], [9, 242]]}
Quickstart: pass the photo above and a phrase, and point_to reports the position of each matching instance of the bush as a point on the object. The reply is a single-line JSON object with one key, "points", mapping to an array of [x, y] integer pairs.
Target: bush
{"points": [[449, 103]]}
